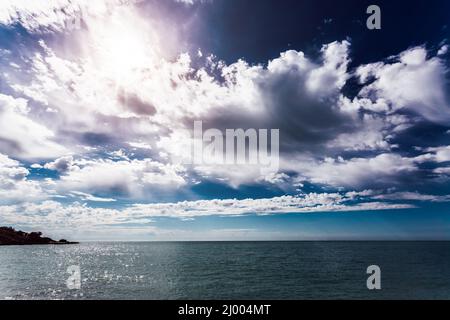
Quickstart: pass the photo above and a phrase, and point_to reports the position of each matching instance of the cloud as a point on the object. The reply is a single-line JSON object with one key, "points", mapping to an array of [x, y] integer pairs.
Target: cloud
{"points": [[192, 2], [22, 136], [289, 94], [383, 170], [62, 165], [308, 203], [14, 184], [413, 196], [88, 197], [109, 87], [435, 154], [411, 82], [55, 15], [53, 214], [443, 50], [293, 92], [34, 15], [125, 178], [371, 135]]}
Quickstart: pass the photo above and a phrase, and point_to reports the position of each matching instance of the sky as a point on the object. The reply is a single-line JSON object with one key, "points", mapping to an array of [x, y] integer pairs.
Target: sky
{"points": [[98, 101]]}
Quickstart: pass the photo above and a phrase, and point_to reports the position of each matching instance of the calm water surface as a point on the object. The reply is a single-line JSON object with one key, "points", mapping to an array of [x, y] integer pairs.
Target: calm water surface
{"points": [[227, 270]]}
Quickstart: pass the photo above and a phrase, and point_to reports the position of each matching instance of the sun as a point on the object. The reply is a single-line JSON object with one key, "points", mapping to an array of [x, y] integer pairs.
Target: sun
{"points": [[125, 50], [123, 44]]}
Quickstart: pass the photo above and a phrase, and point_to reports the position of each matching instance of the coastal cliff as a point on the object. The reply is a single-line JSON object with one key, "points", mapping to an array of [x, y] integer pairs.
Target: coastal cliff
{"points": [[9, 236]]}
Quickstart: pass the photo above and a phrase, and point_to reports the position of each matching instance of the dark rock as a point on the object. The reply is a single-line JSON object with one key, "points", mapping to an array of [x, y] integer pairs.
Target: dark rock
{"points": [[9, 236]]}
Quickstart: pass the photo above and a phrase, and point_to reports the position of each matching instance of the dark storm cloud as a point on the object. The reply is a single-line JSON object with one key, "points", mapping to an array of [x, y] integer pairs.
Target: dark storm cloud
{"points": [[136, 104], [299, 97], [96, 139]]}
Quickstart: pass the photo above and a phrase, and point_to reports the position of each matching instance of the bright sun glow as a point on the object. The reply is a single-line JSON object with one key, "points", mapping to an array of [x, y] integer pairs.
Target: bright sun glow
{"points": [[125, 51], [124, 44]]}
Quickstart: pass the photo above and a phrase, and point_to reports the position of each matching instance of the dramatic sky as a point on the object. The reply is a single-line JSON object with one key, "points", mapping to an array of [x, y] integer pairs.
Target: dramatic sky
{"points": [[98, 101]]}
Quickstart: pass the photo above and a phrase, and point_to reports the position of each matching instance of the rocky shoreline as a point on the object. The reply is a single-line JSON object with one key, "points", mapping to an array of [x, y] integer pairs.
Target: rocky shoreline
{"points": [[9, 236]]}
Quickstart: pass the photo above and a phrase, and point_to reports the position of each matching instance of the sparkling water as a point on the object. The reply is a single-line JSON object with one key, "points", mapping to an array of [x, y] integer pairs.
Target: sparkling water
{"points": [[226, 270]]}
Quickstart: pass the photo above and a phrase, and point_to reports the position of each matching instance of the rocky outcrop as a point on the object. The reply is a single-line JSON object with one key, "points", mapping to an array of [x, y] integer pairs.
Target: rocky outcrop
{"points": [[9, 236]]}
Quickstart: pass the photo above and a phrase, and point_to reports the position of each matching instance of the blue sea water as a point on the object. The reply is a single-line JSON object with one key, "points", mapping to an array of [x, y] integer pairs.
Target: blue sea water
{"points": [[227, 270]]}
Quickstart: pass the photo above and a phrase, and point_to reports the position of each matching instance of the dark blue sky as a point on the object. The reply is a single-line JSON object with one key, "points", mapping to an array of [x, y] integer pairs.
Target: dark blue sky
{"points": [[259, 31]]}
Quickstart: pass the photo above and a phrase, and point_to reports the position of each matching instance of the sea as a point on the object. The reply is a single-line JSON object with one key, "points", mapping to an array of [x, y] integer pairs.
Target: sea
{"points": [[225, 270]]}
